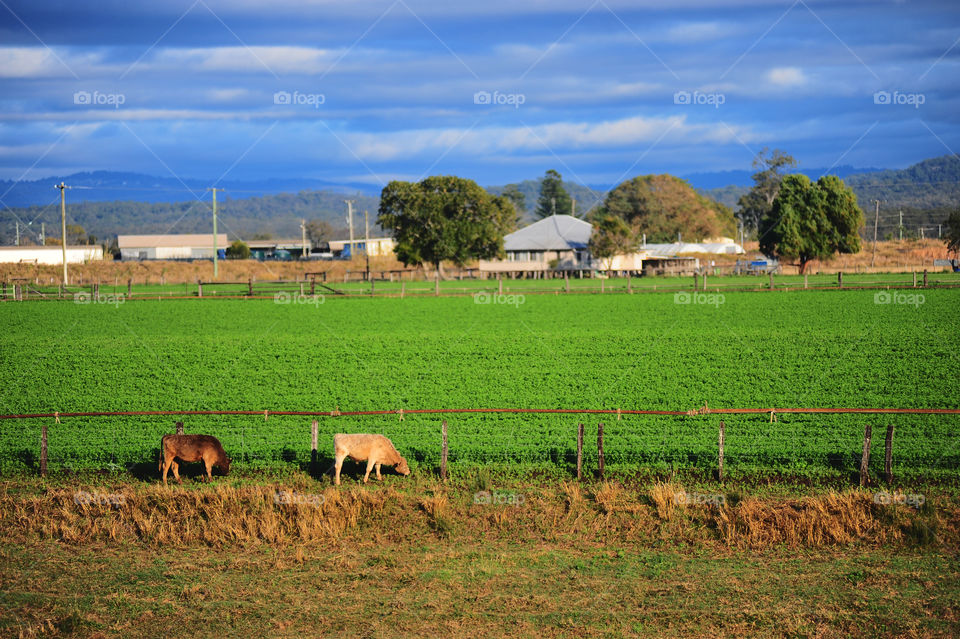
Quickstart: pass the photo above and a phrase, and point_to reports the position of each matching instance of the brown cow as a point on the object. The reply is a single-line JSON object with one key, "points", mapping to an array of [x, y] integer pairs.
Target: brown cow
{"points": [[374, 449], [192, 448]]}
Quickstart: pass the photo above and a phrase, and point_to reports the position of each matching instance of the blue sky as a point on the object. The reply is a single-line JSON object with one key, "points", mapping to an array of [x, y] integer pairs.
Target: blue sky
{"points": [[495, 91]]}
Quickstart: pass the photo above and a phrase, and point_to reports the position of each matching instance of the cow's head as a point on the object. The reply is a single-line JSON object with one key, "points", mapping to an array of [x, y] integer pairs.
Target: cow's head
{"points": [[225, 465], [401, 467]]}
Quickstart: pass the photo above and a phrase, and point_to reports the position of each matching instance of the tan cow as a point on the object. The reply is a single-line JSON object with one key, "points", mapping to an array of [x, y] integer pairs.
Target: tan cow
{"points": [[374, 449], [192, 448]]}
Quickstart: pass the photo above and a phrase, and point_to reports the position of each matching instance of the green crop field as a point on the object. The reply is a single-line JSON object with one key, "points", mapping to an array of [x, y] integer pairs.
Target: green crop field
{"points": [[734, 349]]}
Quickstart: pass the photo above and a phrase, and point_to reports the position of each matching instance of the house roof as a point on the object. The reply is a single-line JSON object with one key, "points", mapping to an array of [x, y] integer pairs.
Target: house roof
{"points": [[554, 233], [193, 240]]}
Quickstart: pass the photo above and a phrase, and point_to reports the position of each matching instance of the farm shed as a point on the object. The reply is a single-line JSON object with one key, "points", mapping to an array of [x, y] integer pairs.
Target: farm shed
{"points": [[50, 254], [558, 239], [170, 247]]}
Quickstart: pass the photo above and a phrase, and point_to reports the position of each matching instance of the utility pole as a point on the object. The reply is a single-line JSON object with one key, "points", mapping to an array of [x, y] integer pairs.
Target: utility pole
{"points": [[921, 232], [215, 269], [63, 226], [17, 242], [366, 241], [43, 235], [901, 225], [939, 229], [303, 237], [573, 207], [553, 205], [350, 223], [876, 222]]}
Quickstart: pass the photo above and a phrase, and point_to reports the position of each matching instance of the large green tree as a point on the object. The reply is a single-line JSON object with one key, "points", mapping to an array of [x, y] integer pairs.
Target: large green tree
{"points": [[553, 199], [444, 218], [758, 201], [663, 206], [811, 220]]}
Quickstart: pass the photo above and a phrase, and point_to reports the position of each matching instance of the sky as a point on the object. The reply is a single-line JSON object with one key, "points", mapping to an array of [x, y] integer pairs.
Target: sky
{"points": [[497, 91]]}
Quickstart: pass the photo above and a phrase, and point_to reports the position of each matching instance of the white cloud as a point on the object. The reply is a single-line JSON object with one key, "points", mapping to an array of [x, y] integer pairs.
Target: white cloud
{"points": [[786, 77]]}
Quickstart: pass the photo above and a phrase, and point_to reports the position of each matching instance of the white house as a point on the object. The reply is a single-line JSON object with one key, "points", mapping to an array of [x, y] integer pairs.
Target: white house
{"points": [[555, 242]]}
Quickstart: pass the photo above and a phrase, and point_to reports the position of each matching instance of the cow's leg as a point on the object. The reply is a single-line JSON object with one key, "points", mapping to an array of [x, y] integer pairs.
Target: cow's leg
{"points": [[338, 464], [166, 467], [370, 464], [379, 476], [209, 465], [176, 470]]}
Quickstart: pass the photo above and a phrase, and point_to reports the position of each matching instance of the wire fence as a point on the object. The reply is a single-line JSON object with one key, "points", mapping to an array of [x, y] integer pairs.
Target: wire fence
{"points": [[797, 441]]}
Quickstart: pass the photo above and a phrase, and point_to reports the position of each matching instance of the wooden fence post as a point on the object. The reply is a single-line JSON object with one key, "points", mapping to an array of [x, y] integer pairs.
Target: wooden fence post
{"points": [[865, 460], [696, 284], [443, 451], [199, 288], [924, 278], [301, 289], [499, 284], [314, 440], [5, 289], [600, 448], [770, 273], [250, 286], [720, 461], [579, 451], [436, 284], [566, 281], [839, 279], [602, 284], [96, 291], [179, 428], [888, 457], [629, 283], [129, 288], [43, 450], [403, 288], [371, 286], [805, 284], [914, 279]]}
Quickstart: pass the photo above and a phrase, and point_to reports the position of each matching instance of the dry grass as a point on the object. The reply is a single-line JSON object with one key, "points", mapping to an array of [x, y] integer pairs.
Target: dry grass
{"points": [[222, 514], [667, 498]]}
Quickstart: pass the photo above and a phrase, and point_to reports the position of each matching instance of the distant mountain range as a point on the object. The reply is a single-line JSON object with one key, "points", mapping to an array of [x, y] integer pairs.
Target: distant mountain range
{"points": [[103, 186], [108, 203]]}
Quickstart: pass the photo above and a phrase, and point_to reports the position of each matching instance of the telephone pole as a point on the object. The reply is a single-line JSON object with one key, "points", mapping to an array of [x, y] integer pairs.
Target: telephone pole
{"points": [[350, 223], [17, 242], [215, 269], [901, 225], [303, 237], [876, 221], [366, 241], [43, 235], [63, 226]]}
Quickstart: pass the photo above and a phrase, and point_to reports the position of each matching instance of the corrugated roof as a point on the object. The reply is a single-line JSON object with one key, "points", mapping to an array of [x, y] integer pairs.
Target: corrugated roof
{"points": [[195, 240], [554, 233]]}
